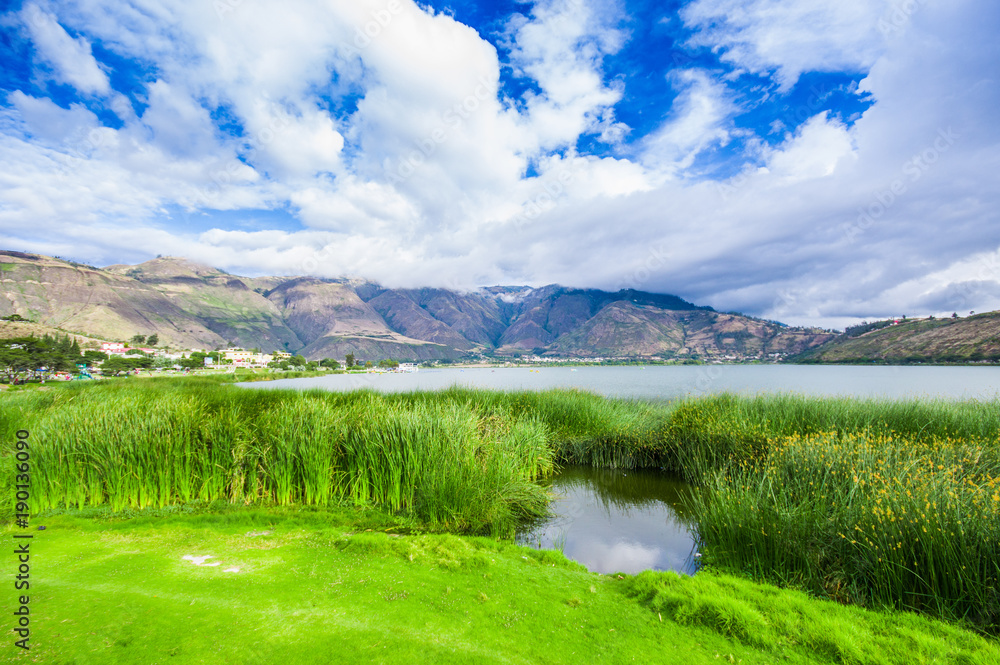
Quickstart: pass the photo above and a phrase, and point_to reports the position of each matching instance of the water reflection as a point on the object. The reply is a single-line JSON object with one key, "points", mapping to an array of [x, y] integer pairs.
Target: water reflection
{"points": [[614, 520]]}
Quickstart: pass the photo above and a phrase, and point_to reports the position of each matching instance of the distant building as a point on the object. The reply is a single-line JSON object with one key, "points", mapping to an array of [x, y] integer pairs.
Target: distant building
{"points": [[244, 358]]}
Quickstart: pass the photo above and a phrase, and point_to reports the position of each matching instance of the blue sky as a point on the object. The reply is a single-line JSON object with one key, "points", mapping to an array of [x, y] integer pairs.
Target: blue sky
{"points": [[812, 162]]}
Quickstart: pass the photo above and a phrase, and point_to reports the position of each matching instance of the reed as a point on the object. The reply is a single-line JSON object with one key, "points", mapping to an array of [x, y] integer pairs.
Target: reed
{"points": [[871, 519], [157, 443], [868, 501], [880, 503]]}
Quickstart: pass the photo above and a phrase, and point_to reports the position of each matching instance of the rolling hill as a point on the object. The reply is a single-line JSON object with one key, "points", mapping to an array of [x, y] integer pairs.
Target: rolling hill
{"points": [[969, 339]]}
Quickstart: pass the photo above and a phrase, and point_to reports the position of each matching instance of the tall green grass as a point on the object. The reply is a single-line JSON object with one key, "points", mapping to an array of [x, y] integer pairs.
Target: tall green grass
{"points": [[153, 444], [868, 501], [880, 503]]}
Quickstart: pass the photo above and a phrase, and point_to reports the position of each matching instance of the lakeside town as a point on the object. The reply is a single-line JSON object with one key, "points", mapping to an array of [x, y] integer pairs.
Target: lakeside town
{"points": [[48, 359]]}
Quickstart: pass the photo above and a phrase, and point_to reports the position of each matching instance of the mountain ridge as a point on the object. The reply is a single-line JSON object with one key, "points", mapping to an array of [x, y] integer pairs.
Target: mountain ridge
{"points": [[192, 305]]}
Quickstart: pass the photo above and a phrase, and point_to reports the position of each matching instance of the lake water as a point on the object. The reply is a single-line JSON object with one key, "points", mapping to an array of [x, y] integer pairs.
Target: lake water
{"points": [[628, 521], [614, 520], [667, 382]]}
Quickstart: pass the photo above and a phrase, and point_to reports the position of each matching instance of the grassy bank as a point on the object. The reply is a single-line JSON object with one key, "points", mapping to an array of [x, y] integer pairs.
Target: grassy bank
{"points": [[339, 585], [877, 503]]}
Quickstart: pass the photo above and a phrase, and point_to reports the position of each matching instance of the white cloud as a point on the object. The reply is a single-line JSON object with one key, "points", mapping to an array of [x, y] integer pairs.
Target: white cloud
{"points": [[51, 123], [815, 152], [700, 117], [426, 180], [561, 48], [71, 59], [790, 36]]}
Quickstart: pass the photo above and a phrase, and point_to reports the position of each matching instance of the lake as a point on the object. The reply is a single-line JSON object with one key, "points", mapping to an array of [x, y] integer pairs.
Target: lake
{"points": [[615, 520], [672, 381]]}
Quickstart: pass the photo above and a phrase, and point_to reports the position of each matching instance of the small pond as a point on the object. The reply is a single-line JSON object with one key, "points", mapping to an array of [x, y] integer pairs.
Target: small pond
{"points": [[615, 520]]}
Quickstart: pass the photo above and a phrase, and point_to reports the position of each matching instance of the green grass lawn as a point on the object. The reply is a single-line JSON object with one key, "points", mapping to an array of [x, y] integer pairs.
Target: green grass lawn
{"points": [[350, 585]]}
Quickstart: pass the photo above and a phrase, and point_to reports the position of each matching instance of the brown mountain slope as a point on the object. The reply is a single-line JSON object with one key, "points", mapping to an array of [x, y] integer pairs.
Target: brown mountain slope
{"points": [[404, 315], [332, 320], [224, 303], [9, 329], [647, 331], [973, 338], [479, 317], [191, 305], [97, 302]]}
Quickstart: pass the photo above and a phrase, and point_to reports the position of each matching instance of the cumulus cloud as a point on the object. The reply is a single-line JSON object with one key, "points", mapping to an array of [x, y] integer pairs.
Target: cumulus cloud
{"points": [[383, 130], [561, 48], [790, 37]]}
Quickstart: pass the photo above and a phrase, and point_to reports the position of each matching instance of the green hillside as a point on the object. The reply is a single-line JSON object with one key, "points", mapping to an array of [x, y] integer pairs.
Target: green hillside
{"points": [[970, 339]]}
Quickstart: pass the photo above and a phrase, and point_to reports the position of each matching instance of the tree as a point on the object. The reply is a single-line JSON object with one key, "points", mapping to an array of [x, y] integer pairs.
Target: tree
{"points": [[153, 339], [90, 357], [388, 363], [312, 365], [954, 315], [19, 356], [193, 361], [61, 353], [329, 362], [117, 365], [138, 339], [349, 360], [13, 317]]}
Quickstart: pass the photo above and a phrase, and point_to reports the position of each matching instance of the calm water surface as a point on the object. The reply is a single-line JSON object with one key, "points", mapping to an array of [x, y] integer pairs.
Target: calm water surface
{"points": [[612, 520], [666, 382]]}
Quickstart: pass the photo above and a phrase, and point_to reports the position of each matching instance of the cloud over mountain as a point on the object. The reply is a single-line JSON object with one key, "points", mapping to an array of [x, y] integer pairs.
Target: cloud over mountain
{"points": [[808, 161]]}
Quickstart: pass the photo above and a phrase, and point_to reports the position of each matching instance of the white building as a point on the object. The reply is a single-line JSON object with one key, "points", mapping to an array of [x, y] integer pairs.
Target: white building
{"points": [[244, 358]]}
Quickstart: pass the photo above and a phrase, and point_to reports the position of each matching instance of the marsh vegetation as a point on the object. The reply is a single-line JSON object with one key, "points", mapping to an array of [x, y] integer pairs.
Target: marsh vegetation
{"points": [[877, 503]]}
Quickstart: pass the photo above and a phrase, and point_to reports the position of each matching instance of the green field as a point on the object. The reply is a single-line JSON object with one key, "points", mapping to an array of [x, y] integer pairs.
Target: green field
{"points": [[390, 517]]}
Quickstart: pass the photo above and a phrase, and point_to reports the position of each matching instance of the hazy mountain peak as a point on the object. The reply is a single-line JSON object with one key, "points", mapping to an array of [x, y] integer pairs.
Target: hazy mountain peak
{"points": [[193, 305], [166, 267]]}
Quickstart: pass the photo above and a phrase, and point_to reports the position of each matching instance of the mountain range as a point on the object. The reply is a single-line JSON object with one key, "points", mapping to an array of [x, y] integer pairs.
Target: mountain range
{"points": [[190, 305]]}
